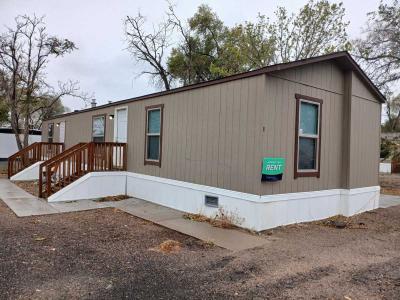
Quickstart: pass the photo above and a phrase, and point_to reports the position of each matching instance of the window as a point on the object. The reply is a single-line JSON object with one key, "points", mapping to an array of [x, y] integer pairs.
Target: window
{"points": [[50, 132], [308, 136], [154, 122], [99, 128]]}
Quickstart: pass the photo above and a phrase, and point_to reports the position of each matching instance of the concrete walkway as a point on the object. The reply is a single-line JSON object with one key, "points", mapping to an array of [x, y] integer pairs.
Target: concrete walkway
{"points": [[24, 204], [388, 200], [226, 238]]}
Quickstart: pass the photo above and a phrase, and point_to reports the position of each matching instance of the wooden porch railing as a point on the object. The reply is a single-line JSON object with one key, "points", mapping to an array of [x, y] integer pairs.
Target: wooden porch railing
{"points": [[395, 167], [33, 153], [43, 165], [90, 157]]}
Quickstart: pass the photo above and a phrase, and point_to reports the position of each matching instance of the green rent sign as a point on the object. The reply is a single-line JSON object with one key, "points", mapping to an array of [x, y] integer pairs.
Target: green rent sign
{"points": [[273, 165]]}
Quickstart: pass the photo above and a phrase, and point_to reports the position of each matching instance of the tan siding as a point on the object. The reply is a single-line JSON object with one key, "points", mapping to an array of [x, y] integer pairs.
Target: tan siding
{"points": [[360, 90], [280, 131], [325, 75], [78, 128], [364, 144], [217, 135], [208, 135]]}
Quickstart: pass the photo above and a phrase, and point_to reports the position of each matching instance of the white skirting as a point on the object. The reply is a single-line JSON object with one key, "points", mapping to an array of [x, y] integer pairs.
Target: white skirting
{"points": [[30, 173], [254, 211]]}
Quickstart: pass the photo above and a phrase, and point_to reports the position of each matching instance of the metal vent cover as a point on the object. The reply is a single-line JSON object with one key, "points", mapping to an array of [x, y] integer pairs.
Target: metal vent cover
{"points": [[211, 201]]}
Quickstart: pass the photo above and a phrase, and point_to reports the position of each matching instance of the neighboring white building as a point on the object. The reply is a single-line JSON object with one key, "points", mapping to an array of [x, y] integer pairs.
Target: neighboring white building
{"points": [[8, 144], [385, 167]]}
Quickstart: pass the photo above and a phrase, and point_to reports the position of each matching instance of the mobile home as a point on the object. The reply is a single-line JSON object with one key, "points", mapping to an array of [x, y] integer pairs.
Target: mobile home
{"points": [[287, 143]]}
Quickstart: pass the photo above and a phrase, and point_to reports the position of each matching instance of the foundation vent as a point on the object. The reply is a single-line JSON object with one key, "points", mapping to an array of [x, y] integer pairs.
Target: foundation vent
{"points": [[211, 201]]}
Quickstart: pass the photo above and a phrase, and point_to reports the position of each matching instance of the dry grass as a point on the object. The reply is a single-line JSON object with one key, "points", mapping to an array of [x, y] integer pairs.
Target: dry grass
{"points": [[112, 198], [222, 219], [196, 217], [168, 246]]}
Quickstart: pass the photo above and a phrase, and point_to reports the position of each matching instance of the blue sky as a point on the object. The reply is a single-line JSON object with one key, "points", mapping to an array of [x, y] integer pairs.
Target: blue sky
{"points": [[101, 64]]}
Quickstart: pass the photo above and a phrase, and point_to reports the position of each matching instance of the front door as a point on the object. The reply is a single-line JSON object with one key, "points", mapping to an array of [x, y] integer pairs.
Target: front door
{"points": [[62, 132], [121, 128], [120, 134]]}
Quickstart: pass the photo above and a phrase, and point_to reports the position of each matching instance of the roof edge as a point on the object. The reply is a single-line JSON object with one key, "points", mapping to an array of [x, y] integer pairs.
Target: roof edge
{"points": [[261, 71]]}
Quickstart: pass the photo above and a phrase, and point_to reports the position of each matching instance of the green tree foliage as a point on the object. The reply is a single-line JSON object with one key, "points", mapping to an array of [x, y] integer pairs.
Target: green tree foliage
{"points": [[388, 149], [247, 47], [201, 47], [3, 112], [208, 49], [211, 50], [318, 28]]}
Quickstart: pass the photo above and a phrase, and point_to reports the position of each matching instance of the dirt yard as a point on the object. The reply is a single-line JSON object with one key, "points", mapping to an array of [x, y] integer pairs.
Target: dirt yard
{"points": [[390, 184], [107, 254], [31, 187]]}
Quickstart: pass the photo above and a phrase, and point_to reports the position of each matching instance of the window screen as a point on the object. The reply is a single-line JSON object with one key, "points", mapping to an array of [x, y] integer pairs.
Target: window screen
{"points": [[308, 136], [98, 129], [50, 132], [153, 133]]}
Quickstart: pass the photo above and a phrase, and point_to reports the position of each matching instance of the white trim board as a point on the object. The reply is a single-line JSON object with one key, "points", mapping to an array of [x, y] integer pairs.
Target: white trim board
{"points": [[254, 212]]}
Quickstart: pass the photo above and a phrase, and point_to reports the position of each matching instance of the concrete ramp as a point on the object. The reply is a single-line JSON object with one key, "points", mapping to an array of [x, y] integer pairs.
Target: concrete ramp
{"points": [[30, 173]]}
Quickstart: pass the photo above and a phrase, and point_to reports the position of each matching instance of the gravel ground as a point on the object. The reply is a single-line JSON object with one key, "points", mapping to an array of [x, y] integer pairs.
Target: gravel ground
{"points": [[107, 253]]}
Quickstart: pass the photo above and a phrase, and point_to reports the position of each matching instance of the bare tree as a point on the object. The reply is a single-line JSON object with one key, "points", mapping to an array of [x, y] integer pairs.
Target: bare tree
{"points": [[207, 49], [25, 51], [150, 47], [392, 122], [379, 50]]}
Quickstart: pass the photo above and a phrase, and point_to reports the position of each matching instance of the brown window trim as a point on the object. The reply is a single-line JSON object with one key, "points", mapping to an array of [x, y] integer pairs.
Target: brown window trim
{"points": [[52, 133], [149, 161], [316, 173], [105, 125]]}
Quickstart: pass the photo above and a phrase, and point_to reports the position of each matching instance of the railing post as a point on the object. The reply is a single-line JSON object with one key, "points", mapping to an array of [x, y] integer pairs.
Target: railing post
{"points": [[79, 163], [111, 158], [91, 156], [34, 154], [40, 181], [9, 167], [125, 158], [48, 181], [39, 151]]}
